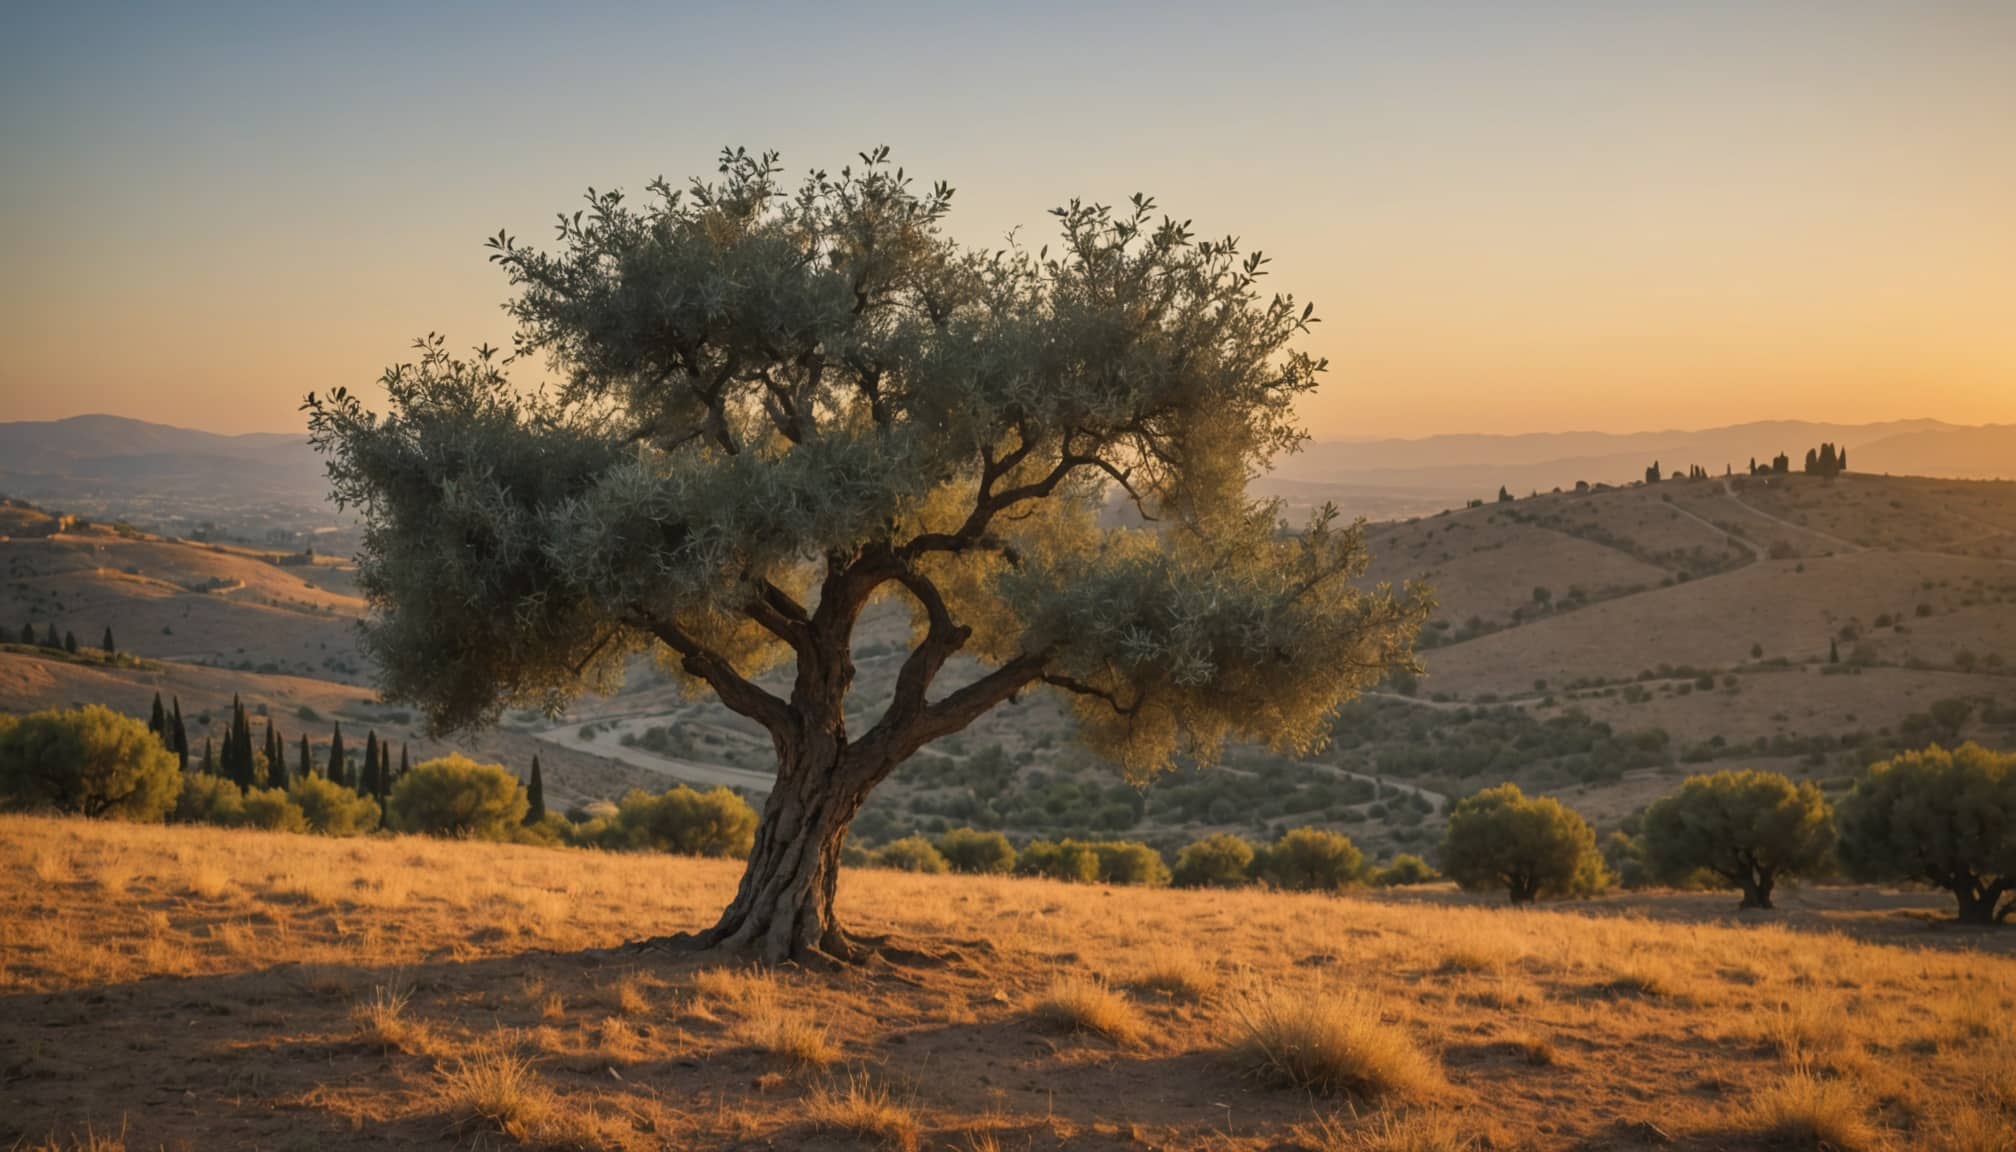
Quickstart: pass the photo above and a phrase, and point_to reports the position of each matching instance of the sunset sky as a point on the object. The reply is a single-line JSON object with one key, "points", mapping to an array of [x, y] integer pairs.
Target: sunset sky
{"points": [[1511, 218]]}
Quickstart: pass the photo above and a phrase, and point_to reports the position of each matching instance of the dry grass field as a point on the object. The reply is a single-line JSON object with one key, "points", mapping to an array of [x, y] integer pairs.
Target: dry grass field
{"points": [[189, 988]]}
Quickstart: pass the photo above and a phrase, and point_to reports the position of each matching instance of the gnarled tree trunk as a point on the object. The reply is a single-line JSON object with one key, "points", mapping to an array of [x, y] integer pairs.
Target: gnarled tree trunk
{"points": [[1757, 884], [783, 908], [1982, 903]]}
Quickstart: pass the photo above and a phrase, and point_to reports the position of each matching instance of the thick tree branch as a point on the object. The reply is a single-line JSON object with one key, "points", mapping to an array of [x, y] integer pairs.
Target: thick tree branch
{"points": [[735, 690]]}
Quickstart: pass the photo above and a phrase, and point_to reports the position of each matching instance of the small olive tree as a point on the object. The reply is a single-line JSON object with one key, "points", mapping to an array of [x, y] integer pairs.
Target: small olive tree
{"points": [[455, 796], [91, 761], [1528, 845], [1947, 818], [1745, 828], [777, 406]]}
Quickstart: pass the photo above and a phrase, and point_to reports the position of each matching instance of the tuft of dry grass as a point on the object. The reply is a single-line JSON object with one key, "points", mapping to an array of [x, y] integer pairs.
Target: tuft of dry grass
{"points": [[770, 1025], [864, 1110], [1179, 973], [1807, 1111], [500, 1091], [1976, 1130], [206, 882], [90, 1140], [1078, 1003], [381, 1021], [1414, 1132], [1310, 1039]]}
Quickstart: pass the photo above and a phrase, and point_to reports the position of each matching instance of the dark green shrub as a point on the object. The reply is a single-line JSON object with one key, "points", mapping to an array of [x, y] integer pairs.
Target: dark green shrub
{"points": [[1406, 869], [973, 851], [208, 799], [455, 796], [911, 854], [1219, 861], [687, 822], [270, 809], [1069, 861], [1310, 860], [332, 809], [1130, 862]]}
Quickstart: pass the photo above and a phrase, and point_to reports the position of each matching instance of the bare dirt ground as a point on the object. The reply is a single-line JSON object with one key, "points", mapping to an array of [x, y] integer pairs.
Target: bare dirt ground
{"points": [[197, 988]]}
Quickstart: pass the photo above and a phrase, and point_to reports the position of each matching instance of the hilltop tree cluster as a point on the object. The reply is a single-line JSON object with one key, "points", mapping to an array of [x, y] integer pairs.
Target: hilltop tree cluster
{"points": [[62, 641]]}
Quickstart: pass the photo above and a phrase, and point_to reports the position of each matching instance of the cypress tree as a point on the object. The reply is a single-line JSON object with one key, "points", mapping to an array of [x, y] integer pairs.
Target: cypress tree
{"points": [[276, 757], [181, 736], [404, 763], [368, 783], [157, 721], [337, 773], [110, 648], [50, 639], [307, 758], [70, 642], [28, 633], [243, 767], [536, 792], [1833, 652], [209, 759]]}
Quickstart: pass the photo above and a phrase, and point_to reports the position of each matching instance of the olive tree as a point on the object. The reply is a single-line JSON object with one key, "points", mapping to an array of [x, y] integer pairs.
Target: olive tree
{"points": [[1528, 845], [1944, 817], [1745, 828], [91, 761], [774, 406]]}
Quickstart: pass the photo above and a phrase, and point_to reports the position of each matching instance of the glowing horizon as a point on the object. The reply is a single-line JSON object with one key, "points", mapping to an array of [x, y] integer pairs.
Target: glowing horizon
{"points": [[1568, 218]]}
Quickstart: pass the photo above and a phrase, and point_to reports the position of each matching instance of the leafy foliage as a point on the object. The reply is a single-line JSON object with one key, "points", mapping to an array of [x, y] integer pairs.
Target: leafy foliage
{"points": [[972, 851], [1067, 860], [912, 854], [91, 761], [1310, 860], [1529, 846], [272, 810], [455, 796], [685, 821], [332, 809], [1217, 861], [1405, 870], [1945, 817], [1744, 828]]}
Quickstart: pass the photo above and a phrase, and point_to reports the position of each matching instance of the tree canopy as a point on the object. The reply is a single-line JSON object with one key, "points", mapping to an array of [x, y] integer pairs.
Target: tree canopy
{"points": [[1528, 845], [776, 405], [91, 761], [1944, 817], [1745, 828]]}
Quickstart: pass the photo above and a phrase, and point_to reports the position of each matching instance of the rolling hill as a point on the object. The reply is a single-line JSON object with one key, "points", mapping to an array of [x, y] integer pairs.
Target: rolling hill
{"points": [[1595, 644]]}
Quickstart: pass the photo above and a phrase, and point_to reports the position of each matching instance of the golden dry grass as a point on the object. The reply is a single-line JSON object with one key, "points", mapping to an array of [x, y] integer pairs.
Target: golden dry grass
{"points": [[431, 994], [1075, 1002], [1331, 1040]]}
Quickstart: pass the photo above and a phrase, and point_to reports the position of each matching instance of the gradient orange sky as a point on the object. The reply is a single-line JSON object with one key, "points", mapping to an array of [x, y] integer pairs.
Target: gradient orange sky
{"points": [[1511, 218]]}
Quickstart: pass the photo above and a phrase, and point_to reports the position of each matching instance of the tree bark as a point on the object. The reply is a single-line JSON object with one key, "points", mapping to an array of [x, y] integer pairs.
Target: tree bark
{"points": [[1979, 903], [1524, 890], [783, 908], [1757, 890]]}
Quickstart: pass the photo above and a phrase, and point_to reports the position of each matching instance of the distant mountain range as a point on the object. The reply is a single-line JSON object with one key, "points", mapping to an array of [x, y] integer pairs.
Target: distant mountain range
{"points": [[1437, 470], [107, 458], [110, 458]]}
